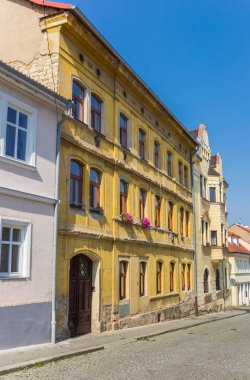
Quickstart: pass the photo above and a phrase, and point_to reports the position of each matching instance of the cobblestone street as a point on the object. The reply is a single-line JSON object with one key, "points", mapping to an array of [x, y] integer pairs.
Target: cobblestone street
{"points": [[218, 350]]}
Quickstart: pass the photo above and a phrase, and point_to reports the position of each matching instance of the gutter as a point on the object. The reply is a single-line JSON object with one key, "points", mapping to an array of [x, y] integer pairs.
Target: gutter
{"points": [[192, 155], [55, 245]]}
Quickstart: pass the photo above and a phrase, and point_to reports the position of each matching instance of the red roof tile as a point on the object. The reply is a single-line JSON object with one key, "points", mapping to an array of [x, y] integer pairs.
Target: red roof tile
{"points": [[233, 248], [51, 4]]}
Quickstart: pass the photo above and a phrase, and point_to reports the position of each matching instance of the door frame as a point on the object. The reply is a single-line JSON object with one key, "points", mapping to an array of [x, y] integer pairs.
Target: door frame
{"points": [[96, 284]]}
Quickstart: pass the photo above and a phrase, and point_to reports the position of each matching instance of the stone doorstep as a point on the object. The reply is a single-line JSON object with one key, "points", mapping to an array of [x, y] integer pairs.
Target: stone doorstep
{"points": [[47, 359]]}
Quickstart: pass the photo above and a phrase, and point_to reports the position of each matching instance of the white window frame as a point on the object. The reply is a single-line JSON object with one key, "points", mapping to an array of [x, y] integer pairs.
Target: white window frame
{"points": [[103, 112], [87, 100], [9, 101], [25, 249], [120, 111]]}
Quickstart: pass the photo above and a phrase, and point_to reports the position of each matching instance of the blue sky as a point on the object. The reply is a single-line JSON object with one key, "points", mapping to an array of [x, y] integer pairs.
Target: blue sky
{"points": [[195, 55]]}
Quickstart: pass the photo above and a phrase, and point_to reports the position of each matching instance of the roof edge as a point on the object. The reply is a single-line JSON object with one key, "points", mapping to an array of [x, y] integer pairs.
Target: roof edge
{"points": [[52, 4], [78, 13]]}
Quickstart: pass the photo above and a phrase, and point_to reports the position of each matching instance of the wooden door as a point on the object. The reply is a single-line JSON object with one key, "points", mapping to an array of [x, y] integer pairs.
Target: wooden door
{"points": [[80, 295]]}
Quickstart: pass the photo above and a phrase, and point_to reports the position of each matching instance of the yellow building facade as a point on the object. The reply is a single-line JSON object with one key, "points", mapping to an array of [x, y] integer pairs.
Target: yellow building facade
{"points": [[124, 164]]}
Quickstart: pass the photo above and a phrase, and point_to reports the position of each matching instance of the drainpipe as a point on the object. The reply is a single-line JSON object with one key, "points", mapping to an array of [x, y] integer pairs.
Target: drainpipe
{"points": [[54, 265], [194, 233]]}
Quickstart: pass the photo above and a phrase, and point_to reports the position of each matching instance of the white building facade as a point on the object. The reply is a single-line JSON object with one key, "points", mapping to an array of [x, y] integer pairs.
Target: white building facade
{"points": [[29, 115], [239, 260], [212, 280]]}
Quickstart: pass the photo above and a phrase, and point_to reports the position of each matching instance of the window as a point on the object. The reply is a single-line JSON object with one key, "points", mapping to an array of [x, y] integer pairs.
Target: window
{"points": [[16, 134], [142, 138], [187, 223], [78, 100], [158, 277], [212, 194], [201, 186], [205, 278], [207, 233], [189, 276], [123, 131], [123, 267], [183, 270], [172, 268], [95, 183], [143, 267], [170, 216], [205, 188], [214, 238], [180, 172], [157, 154], [96, 117], [157, 211], [15, 249], [182, 221], [76, 175], [170, 164], [217, 280], [142, 203], [225, 278], [202, 232], [185, 176], [123, 196]]}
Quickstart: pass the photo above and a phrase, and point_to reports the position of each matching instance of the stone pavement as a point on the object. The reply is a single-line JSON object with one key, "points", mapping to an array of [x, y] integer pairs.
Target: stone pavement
{"points": [[24, 357]]}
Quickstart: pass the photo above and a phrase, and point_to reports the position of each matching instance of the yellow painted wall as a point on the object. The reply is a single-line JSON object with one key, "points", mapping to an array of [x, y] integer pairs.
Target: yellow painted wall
{"points": [[105, 238]]}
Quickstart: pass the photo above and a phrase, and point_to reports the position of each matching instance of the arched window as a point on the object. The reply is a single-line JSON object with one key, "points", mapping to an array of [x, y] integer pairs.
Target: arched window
{"points": [[182, 221], [206, 285], [142, 203], [96, 116], [172, 272], [76, 180], [187, 223], [170, 164], [123, 130], [185, 176], [78, 100], [170, 216], [217, 281], [142, 138], [189, 276], [123, 196], [157, 154], [157, 211], [143, 267], [180, 172], [159, 277], [95, 184], [183, 270], [123, 268]]}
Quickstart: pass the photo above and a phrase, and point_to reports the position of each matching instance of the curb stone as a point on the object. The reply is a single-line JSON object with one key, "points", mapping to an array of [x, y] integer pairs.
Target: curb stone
{"points": [[47, 359], [144, 337]]}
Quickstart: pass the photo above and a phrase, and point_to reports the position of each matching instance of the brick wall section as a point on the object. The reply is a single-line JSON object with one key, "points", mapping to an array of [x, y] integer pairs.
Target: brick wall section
{"points": [[43, 69]]}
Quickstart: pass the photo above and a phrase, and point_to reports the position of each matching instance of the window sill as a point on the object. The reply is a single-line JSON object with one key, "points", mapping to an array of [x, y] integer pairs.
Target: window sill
{"points": [[78, 208], [125, 148], [98, 133], [20, 164], [124, 301], [98, 210], [14, 278], [162, 296]]}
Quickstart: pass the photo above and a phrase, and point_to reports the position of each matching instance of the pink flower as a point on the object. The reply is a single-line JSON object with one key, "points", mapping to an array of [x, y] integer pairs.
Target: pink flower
{"points": [[126, 217], [145, 222]]}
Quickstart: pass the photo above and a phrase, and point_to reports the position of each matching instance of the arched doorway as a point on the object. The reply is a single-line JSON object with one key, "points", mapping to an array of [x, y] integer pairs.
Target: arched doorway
{"points": [[80, 295]]}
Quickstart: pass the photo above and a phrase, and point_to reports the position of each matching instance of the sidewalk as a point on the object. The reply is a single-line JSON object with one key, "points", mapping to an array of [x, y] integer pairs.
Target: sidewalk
{"points": [[18, 358]]}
